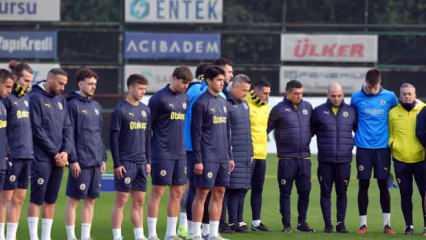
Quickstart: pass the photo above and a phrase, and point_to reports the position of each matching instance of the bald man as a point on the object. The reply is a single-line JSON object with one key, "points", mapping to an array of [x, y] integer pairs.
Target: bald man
{"points": [[333, 123]]}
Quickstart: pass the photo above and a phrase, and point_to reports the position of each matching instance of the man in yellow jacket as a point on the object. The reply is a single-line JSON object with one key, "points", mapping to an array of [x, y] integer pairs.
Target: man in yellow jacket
{"points": [[407, 151], [259, 109]]}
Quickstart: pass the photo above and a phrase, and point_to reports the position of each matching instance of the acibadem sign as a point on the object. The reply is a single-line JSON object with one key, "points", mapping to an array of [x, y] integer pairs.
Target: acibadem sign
{"points": [[174, 11]]}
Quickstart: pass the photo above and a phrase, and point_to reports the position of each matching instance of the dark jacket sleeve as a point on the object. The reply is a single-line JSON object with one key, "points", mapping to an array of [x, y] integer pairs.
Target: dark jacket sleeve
{"points": [[196, 129], [273, 118], [73, 116], [421, 127], [39, 133], [315, 121], [102, 144], [229, 130], [154, 106], [148, 133], [67, 135], [115, 137]]}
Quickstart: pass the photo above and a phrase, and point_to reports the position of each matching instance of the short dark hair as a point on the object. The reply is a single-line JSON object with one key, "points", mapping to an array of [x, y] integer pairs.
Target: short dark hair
{"points": [[213, 72], [292, 84], [136, 79], [222, 62], [373, 76], [84, 73], [261, 83], [183, 73], [58, 71], [201, 70], [4, 75], [18, 68]]}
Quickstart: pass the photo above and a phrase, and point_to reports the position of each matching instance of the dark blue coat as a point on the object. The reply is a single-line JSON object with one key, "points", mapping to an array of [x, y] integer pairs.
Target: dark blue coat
{"points": [[334, 132], [242, 150], [167, 120], [19, 127], [86, 119], [292, 129], [51, 126], [421, 127], [210, 130], [3, 137], [130, 139]]}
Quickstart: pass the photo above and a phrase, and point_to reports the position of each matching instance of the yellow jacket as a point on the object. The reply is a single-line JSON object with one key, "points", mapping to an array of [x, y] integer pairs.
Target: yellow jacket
{"points": [[259, 113], [402, 134]]}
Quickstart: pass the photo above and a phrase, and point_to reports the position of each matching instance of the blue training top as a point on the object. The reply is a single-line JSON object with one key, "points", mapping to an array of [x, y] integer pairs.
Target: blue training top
{"points": [[372, 113]]}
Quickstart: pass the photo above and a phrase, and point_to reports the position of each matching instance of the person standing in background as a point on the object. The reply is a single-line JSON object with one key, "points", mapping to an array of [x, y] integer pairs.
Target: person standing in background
{"points": [[257, 101]]}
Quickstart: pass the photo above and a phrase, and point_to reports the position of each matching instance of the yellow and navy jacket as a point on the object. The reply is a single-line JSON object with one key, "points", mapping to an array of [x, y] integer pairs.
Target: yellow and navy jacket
{"points": [[259, 113], [130, 134], [404, 145], [50, 123], [3, 136], [19, 127], [167, 120], [86, 119], [210, 129]]}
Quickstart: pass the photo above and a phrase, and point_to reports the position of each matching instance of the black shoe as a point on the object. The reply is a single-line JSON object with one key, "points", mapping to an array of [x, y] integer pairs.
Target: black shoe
{"points": [[409, 230], [328, 229], [341, 228], [260, 228], [239, 229], [287, 229], [304, 227], [225, 228]]}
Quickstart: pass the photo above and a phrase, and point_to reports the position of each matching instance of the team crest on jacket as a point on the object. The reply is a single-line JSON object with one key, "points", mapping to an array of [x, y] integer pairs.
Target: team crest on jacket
{"points": [[12, 178], [224, 109], [345, 114], [60, 106], [305, 112], [287, 109], [212, 110], [96, 111], [26, 103], [40, 181], [127, 180], [171, 105], [143, 113], [184, 106], [382, 102]]}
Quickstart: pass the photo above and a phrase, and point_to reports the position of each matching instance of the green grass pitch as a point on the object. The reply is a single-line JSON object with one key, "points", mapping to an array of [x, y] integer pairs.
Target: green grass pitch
{"points": [[101, 229]]}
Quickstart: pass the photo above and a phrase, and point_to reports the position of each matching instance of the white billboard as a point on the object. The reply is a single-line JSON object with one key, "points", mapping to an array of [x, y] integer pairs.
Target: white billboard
{"points": [[158, 76], [174, 11], [329, 48], [316, 79], [40, 70], [30, 10]]}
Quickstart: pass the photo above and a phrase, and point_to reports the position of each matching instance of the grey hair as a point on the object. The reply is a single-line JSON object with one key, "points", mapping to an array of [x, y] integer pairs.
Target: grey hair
{"points": [[238, 79]]}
